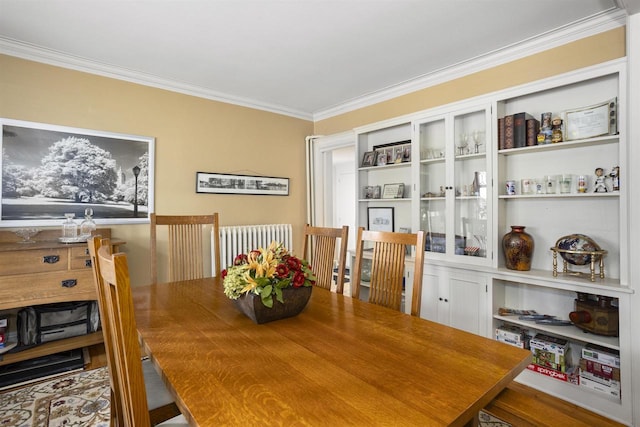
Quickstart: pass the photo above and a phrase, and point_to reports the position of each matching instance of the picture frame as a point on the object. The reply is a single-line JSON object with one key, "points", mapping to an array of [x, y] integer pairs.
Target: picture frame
{"points": [[397, 155], [381, 158], [224, 183], [372, 192], [592, 121], [393, 191], [49, 170], [369, 159], [380, 218], [406, 153]]}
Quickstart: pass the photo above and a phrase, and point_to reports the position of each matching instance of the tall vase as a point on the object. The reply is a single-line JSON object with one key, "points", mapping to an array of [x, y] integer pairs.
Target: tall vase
{"points": [[517, 246]]}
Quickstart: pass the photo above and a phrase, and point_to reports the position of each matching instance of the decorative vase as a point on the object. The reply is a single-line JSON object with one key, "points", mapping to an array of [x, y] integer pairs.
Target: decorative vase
{"points": [[295, 300], [517, 246]]}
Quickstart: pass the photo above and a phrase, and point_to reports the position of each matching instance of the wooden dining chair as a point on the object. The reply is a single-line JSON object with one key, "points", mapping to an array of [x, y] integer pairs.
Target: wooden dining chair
{"points": [[185, 245], [138, 395], [320, 250], [387, 267]]}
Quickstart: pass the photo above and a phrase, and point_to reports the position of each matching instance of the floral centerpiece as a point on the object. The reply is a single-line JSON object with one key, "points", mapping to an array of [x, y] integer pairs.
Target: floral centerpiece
{"points": [[267, 273]]}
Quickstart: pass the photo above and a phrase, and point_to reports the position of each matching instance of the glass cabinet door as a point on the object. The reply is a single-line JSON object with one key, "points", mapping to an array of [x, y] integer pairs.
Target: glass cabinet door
{"points": [[433, 154], [453, 181], [471, 218]]}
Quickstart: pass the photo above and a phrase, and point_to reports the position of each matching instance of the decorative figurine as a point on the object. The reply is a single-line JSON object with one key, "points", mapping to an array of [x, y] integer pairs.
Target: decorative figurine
{"points": [[599, 185], [615, 178], [544, 137], [556, 130]]}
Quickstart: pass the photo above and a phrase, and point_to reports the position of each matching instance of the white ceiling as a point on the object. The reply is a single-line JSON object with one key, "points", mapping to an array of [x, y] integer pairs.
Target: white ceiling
{"points": [[304, 58]]}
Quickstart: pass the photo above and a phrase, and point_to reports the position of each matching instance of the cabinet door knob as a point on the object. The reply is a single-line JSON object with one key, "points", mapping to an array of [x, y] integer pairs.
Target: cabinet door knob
{"points": [[69, 283], [50, 259], [87, 263]]}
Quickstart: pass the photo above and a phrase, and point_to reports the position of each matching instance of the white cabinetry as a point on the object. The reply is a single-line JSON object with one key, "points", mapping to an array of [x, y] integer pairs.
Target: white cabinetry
{"points": [[454, 163], [378, 140], [465, 281], [456, 298], [551, 215]]}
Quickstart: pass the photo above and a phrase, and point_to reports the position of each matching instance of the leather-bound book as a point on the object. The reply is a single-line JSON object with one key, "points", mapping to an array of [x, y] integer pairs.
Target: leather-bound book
{"points": [[501, 133], [533, 127], [509, 141], [520, 129]]}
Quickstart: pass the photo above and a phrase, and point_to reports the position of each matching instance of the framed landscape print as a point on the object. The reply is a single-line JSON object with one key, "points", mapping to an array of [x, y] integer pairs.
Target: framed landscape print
{"points": [[50, 170]]}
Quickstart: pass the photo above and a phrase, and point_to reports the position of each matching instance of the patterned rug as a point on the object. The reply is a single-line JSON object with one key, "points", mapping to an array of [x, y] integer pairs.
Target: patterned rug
{"points": [[75, 400]]}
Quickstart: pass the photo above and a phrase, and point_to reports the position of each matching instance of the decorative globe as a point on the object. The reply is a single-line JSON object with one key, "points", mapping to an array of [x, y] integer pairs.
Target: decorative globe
{"points": [[577, 242]]}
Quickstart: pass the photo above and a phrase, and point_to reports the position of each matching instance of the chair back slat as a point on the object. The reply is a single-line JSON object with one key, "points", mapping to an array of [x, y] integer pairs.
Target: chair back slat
{"points": [[387, 267], [185, 245], [120, 334], [320, 249]]}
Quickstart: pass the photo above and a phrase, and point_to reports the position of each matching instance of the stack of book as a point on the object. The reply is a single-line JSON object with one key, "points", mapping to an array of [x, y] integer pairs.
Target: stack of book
{"points": [[552, 357], [600, 370]]}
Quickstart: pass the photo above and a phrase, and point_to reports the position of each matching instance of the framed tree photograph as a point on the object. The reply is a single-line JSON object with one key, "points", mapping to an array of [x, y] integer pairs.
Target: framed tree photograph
{"points": [[49, 171], [380, 219]]}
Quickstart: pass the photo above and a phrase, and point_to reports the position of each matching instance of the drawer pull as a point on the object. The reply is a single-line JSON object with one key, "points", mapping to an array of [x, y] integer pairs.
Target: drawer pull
{"points": [[70, 283], [87, 263], [51, 259]]}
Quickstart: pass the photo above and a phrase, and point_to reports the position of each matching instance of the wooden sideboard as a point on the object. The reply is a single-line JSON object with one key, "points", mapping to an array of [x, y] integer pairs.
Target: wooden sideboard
{"points": [[44, 272]]}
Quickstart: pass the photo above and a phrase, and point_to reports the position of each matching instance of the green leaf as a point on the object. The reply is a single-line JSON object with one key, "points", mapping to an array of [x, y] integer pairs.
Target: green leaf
{"points": [[279, 295], [267, 300]]}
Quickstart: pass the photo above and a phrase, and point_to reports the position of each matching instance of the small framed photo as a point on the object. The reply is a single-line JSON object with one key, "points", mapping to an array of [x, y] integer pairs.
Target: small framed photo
{"points": [[369, 159], [393, 191], [372, 192], [389, 153], [381, 158], [406, 153], [380, 219], [397, 155]]}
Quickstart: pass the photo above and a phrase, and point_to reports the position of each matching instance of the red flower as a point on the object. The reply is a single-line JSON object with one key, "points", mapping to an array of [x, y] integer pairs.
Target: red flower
{"points": [[282, 271], [240, 259], [298, 279], [294, 263], [223, 273]]}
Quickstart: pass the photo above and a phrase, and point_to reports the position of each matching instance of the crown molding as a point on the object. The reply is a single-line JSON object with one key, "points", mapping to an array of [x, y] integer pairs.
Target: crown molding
{"points": [[52, 57], [599, 23], [602, 22]]}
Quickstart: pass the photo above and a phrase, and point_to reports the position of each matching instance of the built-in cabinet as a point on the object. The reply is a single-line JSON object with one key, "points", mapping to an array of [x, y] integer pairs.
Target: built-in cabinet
{"points": [[455, 297], [455, 189]]}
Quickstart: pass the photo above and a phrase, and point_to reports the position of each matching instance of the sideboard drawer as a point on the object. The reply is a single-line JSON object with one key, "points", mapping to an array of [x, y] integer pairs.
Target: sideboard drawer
{"points": [[34, 261], [80, 258], [44, 288]]}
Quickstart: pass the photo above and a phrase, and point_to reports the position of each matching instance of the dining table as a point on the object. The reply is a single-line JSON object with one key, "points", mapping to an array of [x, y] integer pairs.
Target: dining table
{"points": [[340, 362]]}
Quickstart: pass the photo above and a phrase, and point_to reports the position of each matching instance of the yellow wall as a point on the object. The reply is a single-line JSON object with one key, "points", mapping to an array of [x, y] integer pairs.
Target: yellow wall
{"points": [[194, 134], [191, 134], [572, 56]]}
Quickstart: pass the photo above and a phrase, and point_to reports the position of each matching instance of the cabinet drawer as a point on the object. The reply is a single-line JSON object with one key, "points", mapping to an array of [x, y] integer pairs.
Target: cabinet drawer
{"points": [[80, 258], [43, 288], [33, 261]]}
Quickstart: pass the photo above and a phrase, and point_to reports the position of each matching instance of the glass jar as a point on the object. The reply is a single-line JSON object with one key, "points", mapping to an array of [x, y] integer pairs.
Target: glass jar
{"points": [[69, 227], [88, 226]]}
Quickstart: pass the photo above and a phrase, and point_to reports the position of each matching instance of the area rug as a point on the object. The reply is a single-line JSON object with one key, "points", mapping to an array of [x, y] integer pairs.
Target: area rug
{"points": [[488, 420], [73, 400]]}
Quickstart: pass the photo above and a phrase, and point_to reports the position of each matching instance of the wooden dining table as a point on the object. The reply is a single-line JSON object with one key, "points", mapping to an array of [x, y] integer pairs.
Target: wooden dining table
{"points": [[340, 362]]}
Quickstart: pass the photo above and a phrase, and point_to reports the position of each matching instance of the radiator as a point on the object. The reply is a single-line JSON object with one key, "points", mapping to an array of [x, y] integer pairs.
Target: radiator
{"points": [[240, 239]]}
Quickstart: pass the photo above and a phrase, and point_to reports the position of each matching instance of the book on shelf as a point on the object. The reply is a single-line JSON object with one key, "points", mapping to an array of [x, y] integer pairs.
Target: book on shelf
{"points": [[508, 132], [520, 129], [501, 133], [533, 128]]}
